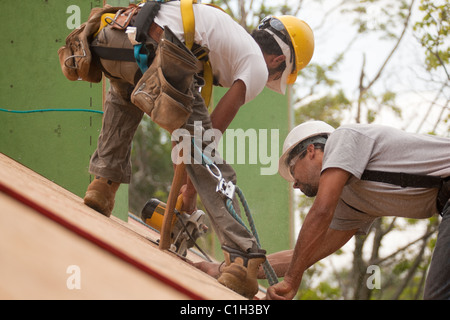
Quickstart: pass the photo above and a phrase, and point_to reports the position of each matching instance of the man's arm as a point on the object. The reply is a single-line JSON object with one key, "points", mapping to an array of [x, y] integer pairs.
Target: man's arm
{"points": [[313, 232], [334, 240], [228, 106]]}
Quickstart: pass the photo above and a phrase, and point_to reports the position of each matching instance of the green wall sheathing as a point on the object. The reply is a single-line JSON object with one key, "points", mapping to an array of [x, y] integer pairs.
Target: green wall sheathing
{"points": [[267, 195], [56, 144]]}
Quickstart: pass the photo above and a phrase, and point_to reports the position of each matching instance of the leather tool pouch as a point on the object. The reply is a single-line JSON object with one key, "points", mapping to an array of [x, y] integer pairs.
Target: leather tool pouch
{"points": [[75, 56], [165, 91], [167, 106], [124, 17], [76, 59]]}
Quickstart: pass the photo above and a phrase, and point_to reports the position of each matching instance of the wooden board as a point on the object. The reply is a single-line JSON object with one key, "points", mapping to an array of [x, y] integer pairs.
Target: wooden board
{"points": [[41, 257]]}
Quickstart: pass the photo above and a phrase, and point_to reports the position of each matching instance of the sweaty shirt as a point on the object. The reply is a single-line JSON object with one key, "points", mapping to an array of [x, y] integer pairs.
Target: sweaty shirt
{"points": [[355, 148], [234, 54]]}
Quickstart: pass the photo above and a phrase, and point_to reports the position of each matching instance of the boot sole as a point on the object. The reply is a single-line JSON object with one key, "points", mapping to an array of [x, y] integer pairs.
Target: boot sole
{"points": [[230, 281], [92, 200]]}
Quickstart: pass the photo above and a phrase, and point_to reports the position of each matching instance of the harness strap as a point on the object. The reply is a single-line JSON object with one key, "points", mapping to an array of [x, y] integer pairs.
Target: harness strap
{"points": [[144, 19], [403, 179], [208, 76], [187, 14], [108, 53], [413, 181]]}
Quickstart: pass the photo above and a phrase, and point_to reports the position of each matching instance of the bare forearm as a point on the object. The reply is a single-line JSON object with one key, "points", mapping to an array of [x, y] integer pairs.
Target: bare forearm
{"points": [[279, 261], [308, 249], [228, 106]]}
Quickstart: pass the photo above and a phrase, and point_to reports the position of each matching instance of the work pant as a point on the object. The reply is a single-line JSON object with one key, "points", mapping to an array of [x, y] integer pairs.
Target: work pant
{"points": [[121, 119], [437, 286]]}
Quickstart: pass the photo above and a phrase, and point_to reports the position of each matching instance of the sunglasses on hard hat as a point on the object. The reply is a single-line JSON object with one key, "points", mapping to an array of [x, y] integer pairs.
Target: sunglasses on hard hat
{"points": [[277, 27], [276, 24]]}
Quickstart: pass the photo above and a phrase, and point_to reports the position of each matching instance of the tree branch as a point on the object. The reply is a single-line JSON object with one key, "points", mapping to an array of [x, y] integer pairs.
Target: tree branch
{"points": [[405, 27]]}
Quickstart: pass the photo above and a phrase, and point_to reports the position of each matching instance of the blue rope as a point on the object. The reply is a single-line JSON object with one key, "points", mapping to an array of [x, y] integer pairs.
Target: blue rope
{"points": [[50, 110], [268, 270]]}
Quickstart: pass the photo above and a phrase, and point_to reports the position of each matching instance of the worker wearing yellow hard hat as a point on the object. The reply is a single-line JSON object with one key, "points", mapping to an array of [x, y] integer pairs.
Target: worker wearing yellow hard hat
{"points": [[159, 57]]}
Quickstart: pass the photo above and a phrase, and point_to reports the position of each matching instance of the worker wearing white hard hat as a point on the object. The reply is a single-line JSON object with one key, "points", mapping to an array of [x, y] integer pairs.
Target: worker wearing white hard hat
{"points": [[298, 140], [359, 173]]}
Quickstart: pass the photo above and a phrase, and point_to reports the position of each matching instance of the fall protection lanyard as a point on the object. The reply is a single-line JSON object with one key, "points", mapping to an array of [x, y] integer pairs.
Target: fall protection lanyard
{"points": [[227, 191]]}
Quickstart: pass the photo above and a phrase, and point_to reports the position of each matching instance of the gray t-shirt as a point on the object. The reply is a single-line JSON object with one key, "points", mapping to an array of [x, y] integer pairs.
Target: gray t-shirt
{"points": [[355, 148]]}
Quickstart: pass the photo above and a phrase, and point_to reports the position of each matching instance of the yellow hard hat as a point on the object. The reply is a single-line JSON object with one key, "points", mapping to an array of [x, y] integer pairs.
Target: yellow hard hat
{"points": [[301, 41]]}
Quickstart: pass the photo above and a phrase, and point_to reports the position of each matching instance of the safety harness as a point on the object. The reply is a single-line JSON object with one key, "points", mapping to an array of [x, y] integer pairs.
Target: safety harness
{"points": [[137, 20], [413, 181]]}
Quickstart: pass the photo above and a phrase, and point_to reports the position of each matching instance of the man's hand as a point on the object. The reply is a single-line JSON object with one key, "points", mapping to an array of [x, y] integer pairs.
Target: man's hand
{"points": [[210, 268], [189, 199], [281, 291], [316, 240]]}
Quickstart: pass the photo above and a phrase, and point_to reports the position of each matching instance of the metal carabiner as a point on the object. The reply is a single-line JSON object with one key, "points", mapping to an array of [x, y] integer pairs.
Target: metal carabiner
{"points": [[224, 188], [218, 176]]}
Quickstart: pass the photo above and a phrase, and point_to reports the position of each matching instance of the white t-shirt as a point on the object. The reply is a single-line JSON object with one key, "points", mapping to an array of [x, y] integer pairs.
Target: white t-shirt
{"points": [[234, 54], [355, 148]]}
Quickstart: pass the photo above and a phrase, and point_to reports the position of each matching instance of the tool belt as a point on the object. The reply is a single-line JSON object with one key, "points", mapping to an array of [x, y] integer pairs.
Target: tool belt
{"points": [[75, 57], [413, 181], [166, 90]]}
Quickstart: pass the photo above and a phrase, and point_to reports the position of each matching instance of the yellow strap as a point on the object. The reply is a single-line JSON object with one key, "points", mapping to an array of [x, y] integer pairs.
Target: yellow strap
{"points": [[207, 89], [104, 21], [187, 14]]}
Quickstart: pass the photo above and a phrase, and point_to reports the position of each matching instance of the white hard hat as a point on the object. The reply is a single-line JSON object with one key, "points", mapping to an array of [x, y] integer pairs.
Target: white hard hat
{"points": [[298, 134]]}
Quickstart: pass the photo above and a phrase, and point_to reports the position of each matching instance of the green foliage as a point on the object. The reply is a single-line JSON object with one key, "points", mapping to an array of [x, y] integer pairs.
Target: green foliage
{"points": [[327, 108], [152, 165], [433, 32], [324, 291], [381, 16]]}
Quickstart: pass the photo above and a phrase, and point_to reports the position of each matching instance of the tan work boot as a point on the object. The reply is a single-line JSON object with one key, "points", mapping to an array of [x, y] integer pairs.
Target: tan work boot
{"points": [[240, 271], [100, 195]]}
